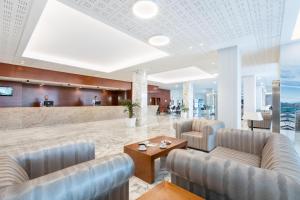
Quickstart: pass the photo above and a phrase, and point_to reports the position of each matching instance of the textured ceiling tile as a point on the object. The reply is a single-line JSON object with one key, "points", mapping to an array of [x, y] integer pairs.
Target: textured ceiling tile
{"points": [[186, 22]]}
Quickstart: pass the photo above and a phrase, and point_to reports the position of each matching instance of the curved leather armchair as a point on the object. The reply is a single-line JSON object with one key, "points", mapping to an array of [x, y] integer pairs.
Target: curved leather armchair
{"points": [[200, 133], [68, 171]]}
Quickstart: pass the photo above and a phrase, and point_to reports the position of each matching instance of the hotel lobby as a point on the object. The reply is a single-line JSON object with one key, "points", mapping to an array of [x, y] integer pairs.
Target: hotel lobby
{"points": [[149, 99]]}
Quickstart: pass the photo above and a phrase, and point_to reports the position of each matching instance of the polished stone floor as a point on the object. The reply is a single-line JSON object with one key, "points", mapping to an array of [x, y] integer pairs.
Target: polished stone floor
{"points": [[110, 136]]}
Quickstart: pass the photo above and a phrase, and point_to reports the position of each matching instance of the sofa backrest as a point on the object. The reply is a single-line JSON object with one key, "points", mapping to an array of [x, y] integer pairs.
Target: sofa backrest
{"points": [[279, 155], [198, 124], [266, 115], [40, 159], [243, 140]]}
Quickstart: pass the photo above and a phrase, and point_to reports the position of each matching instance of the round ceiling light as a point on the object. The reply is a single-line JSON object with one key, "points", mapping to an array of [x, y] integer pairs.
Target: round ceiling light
{"points": [[145, 9], [159, 40]]}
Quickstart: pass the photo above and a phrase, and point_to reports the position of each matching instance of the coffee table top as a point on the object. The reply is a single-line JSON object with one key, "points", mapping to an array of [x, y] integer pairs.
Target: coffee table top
{"points": [[152, 151], [169, 191]]}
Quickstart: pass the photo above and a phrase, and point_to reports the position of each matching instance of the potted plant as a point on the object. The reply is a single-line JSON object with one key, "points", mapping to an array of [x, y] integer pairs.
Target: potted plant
{"points": [[129, 108], [184, 112]]}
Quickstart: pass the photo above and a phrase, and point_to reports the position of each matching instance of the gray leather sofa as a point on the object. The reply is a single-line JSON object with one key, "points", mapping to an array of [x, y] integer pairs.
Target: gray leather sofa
{"points": [[66, 171], [200, 133], [245, 165]]}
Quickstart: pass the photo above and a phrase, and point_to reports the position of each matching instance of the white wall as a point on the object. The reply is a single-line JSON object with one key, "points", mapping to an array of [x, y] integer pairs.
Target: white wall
{"points": [[289, 54], [249, 91]]}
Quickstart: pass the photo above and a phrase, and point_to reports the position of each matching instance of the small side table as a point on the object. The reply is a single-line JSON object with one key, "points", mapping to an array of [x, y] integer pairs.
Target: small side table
{"points": [[168, 191]]}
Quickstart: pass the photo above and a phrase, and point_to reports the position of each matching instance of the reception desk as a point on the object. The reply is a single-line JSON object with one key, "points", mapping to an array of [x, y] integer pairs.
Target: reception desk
{"points": [[27, 117]]}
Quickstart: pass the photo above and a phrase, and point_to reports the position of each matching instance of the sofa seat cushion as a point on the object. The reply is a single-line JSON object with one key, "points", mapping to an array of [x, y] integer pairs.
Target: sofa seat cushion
{"points": [[238, 156], [11, 172], [279, 155], [195, 139]]}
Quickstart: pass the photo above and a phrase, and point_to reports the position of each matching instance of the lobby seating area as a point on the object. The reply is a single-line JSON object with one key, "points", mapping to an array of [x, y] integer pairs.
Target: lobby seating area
{"points": [[149, 100]]}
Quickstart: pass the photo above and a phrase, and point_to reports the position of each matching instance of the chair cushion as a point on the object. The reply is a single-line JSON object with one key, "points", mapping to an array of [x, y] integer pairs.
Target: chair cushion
{"points": [[279, 155], [195, 139], [238, 156], [11, 172]]}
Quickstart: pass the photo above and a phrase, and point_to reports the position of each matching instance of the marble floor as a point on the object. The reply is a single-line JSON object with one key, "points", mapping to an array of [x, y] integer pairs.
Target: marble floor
{"points": [[110, 136]]}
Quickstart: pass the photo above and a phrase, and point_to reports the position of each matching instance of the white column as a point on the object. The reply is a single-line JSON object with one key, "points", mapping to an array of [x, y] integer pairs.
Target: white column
{"points": [[249, 91], [229, 87], [188, 97], [260, 97], [140, 95]]}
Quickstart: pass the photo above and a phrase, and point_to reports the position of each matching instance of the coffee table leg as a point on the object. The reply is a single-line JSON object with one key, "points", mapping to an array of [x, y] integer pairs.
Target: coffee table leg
{"points": [[143, 164], [146, 170]]}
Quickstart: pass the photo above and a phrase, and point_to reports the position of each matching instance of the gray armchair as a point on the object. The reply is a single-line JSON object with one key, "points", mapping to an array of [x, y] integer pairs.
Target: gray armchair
{"points": [[245, 165], [64, 171], [200, 133], [264, 124]]}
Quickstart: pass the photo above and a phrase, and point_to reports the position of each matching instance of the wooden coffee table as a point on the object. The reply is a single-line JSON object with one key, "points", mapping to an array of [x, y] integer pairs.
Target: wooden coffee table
{"points": [[144, 160], [169, 191]]}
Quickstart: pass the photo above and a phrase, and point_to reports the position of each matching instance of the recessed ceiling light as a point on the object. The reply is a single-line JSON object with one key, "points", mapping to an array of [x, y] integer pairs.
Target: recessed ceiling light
{"points": [[145, 9], [213, 63], [296, 33], [159, 40], [190, 47], [61, 36], [201, 44], [180, 75]]}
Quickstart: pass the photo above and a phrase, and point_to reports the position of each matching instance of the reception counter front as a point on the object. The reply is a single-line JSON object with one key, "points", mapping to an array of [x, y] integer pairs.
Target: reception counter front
{"points": [[27, 117]]}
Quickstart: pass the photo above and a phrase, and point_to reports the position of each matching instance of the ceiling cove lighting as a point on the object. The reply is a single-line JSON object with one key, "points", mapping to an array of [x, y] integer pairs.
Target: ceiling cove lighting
{"points": [[296, 33], [181, 75], [145, 9], [159, 40], [66, 36]]}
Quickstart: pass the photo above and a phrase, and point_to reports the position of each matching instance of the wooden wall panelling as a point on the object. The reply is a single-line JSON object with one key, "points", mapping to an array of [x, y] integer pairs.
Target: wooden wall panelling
{"points": [[16, 71]]}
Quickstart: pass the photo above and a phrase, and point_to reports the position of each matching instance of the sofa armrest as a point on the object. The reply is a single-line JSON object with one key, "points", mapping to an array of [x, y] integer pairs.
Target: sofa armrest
{"points": [[229, 179], [44, 159], [86, 181], [183, 126], [243, 140]]}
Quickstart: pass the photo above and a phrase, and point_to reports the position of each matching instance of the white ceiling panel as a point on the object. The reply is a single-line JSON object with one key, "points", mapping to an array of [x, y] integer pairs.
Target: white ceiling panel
{"points": [[180, 75], [66, 36]]}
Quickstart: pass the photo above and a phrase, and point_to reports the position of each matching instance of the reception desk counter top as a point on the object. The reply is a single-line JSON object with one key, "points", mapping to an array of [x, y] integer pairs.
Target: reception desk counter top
{"points": [[26, 117]]}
